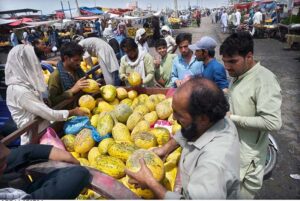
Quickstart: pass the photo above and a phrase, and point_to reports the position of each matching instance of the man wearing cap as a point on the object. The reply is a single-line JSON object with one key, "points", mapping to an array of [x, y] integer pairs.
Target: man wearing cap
{"points": [[205, 51], [171, 43]]}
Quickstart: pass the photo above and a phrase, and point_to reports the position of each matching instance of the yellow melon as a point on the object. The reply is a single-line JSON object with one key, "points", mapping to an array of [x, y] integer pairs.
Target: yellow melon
{"points": [[84, 141], [87, 101], [134, 79]]}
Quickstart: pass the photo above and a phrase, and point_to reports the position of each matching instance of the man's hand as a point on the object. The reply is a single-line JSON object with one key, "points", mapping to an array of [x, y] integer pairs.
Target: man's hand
{"points": [[80, 84], [160, 151], [178, 83], [143, 177], [77, 112], [61, 155], [161, 81], [157, 63]]}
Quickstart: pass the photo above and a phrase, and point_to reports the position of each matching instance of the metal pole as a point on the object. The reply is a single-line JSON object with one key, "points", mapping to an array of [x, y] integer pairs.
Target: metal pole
{"points": [[62, 7], [70, 9], [77, 6], [176, 8]]}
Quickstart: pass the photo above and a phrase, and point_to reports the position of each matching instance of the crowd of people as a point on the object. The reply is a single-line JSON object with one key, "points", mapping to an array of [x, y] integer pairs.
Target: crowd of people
{"points": [[224, 125]]}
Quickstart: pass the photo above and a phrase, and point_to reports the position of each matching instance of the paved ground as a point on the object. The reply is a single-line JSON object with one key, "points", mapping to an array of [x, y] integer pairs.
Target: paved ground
{"points": [[285, 64]]}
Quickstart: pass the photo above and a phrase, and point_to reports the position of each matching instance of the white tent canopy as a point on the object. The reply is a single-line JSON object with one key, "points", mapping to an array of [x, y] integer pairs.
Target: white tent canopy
{"points": [[5, 21], [51, 22]]}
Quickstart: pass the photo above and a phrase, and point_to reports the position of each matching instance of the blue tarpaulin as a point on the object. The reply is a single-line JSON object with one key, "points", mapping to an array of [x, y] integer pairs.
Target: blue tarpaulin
{"points": [[92, 10]]}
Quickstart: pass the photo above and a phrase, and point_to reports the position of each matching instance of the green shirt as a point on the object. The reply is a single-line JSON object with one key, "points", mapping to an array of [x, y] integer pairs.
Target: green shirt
{"points": [[165, 69], [56, 93], [255, 101], [125, 69]]}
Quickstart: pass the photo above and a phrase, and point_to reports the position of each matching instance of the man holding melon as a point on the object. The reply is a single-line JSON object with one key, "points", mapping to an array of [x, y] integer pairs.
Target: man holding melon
{"points": [[68, 79], [137, 67], [210, 161]]}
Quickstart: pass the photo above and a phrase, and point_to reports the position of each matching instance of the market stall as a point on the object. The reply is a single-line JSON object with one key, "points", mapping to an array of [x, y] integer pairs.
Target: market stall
{"points": [[106, 182]]}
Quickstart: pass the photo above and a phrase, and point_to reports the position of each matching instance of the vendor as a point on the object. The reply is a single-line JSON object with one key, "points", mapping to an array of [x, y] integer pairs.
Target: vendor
{"points": [[209, 163], [26, 88], [108, 61], [68, 79], [136, 60]]}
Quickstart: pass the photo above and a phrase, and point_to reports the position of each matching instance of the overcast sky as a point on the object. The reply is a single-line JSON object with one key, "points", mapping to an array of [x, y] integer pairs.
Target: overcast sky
{"points": [[48, 6]]}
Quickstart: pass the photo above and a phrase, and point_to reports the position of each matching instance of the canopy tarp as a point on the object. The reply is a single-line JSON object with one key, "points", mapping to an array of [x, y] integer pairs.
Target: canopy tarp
{"points": [[5, 21], [94, 11], [127, 17], [21, 21], [86, 18], [51, 22]]}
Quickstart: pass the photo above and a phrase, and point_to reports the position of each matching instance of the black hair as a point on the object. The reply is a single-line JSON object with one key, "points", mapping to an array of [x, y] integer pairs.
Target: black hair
{"points": [[183, 37], [71, 49], [206, 99], [35, 42], [211, 53], [128, 43], [240, 43], [161, 42]]}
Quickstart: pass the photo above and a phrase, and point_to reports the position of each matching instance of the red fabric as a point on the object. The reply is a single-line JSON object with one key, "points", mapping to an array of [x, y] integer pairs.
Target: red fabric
{"points": [[17, 23]]}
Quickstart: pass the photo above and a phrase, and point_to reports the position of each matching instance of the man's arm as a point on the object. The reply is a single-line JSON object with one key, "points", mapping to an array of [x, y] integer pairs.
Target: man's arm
{"points": [[122, 70], [220, 78], [28, 153], [268, 112], [149, 68], [174, 74]]}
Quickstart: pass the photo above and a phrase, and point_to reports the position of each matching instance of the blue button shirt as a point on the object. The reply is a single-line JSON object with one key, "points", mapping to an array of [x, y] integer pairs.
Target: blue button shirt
{"points": [[215, 71], [181, 69]]}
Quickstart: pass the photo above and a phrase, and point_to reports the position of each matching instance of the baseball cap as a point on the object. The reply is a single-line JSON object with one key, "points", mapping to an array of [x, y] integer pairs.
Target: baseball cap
{"points": [[205, 43], [165, 28]]}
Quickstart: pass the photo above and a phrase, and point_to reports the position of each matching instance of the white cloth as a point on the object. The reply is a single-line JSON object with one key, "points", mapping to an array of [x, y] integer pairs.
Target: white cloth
{"points": [[138, 64], [171, 43], [143, 48], [238, 18], [257, 18], [224, 20], [108, 34], [25, 80], [139, 34], [106, 56], [23, 68]]}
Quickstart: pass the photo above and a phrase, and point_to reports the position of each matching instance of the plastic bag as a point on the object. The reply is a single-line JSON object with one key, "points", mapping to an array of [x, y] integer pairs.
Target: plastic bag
{"points": [[163, 124], [51, 138], [76, 124], [96, 136]]}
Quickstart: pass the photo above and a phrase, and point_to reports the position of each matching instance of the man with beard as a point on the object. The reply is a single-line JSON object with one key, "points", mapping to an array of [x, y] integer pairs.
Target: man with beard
{"points": [[185, 65], [141, 40], [209, 163], [255, 100], [213, 70], [68, 79], [138, 61]]}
